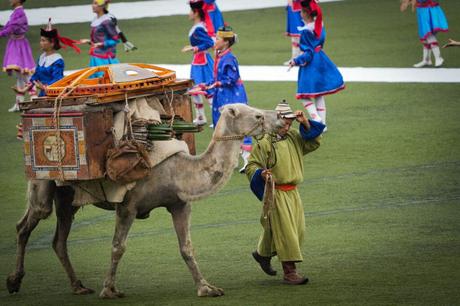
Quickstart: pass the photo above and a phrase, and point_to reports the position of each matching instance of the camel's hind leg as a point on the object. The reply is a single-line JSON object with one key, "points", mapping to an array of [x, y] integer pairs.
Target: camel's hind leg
{"points": [[181, 219], [40, 195], [64, 215], [125, 217]]}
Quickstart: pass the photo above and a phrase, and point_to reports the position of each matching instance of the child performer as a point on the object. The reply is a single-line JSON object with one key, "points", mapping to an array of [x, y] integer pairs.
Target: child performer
{"points": [[18, 54], [294, 22], [50, 64], [212, 10], [202, 64], [431, 19], [104, 37], [227, 86], [318, 75]]}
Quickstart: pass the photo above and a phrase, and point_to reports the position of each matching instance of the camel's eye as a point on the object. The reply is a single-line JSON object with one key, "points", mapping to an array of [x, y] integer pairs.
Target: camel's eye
{"points": [[258, 117]]}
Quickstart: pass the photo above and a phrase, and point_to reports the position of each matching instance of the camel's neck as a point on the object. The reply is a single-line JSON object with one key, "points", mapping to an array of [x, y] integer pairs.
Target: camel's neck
{"points": [[208, 172]]}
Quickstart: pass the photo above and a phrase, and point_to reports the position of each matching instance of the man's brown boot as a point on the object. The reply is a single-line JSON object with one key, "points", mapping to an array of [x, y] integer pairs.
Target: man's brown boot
{"points": [[290, 274], [264, 263]]}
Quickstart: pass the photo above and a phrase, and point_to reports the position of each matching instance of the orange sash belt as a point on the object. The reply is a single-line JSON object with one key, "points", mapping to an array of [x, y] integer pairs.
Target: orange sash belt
{"points": [[286, 187]]}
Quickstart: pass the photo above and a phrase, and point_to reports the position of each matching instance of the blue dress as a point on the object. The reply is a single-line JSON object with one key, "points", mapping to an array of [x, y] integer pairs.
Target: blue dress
{"points": [[230, 88], [294, 20], [318, 75], [49, 70], [202, 64], [215, 14], [430, 18]]}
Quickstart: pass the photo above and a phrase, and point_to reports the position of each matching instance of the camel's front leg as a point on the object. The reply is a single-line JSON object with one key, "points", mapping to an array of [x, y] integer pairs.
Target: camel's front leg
{"points": [[181, 220], [64, 214], [39, 206], [125, 218]]}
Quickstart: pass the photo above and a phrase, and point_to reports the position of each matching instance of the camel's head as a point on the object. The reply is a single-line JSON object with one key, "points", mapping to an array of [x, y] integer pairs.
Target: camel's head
{"points": [[241, 119]]}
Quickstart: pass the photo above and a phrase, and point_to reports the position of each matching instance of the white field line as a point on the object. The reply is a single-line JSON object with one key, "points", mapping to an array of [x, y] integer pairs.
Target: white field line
{"points": [[350, 74], [134, 10]]}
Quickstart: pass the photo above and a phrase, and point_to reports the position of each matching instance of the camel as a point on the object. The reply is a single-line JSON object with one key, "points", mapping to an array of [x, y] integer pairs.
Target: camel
{"points": [[194, 177]]}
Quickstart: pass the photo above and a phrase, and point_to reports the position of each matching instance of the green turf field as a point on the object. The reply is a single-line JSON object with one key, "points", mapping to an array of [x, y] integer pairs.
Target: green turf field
{"points": [[381, 194]]}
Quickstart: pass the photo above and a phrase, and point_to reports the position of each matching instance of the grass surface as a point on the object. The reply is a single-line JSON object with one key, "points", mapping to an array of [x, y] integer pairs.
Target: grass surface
{"points": [[381, 194]]}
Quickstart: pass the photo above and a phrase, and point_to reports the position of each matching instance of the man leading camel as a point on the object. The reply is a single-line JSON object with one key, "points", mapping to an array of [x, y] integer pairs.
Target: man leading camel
{"points": [[275, 169]]}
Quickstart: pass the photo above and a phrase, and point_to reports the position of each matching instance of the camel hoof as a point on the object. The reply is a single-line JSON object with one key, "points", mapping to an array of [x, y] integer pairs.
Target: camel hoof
{"points": [[79, 289], [111, 293], [209, 290], [13, 282]]}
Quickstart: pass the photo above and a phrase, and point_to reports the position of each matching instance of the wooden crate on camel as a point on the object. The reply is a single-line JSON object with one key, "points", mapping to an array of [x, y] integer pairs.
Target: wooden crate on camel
{"points": [[68, 133]]}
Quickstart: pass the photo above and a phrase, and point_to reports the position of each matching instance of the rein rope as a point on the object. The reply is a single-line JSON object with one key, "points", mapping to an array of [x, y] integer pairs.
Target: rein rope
{"points": [[269, 188], [258, 124], [57, 125]]}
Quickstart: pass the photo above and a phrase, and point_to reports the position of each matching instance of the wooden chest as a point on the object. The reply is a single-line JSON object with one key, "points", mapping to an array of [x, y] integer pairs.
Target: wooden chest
{"points": [[83, 138]]}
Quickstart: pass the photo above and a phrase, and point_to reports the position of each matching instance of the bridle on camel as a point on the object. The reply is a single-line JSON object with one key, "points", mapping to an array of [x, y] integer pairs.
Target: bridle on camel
{"points": [[259, 123]]}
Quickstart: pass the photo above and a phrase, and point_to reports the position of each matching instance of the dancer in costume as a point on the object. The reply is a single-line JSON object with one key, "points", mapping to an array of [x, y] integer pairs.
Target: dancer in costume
{"points": [[227, 86], [431, 20], [104, 37], [50, 64], [293, 23], [202, 64], [279, 159], [318, 75], [212, 10], [18, 57]]}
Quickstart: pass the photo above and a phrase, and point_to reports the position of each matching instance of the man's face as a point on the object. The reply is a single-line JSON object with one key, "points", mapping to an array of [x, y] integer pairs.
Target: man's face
{"points": [[285, 128]]}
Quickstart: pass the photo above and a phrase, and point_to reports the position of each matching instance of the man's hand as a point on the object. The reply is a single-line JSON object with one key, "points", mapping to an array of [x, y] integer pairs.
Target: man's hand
{"points": [[85, 41], [302, 119], [265, 173]]}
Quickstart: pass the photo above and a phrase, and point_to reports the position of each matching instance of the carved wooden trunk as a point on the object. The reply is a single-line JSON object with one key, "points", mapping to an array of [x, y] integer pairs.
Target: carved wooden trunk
{"points": [[83, 137]]}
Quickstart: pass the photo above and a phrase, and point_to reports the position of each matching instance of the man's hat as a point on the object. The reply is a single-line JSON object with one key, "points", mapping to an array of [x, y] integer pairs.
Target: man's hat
{"points": [[284, 110]]}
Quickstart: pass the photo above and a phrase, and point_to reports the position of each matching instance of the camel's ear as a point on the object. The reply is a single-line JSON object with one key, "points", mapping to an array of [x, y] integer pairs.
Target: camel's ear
{"points": [[233, 111]]}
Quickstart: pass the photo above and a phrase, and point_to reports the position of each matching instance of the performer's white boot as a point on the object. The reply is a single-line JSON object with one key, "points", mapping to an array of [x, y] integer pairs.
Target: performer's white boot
{"points": [[245, 156], [321, 108], [438, 60], [200, 117], [426, 61], [310, 107], [15, 107], [432, 43]]}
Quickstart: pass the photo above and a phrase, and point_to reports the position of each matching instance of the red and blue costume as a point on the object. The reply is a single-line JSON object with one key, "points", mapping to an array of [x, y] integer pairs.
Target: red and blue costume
{"points": [[318, 75], [215, 16], [202, 64], [294, 20]]}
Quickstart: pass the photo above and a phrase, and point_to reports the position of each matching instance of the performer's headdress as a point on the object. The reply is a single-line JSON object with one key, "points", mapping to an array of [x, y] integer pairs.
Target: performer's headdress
{"points": [[226, 31], [196, 4], [104, 3], [314, 10], [284, 110], [54, 36]]}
